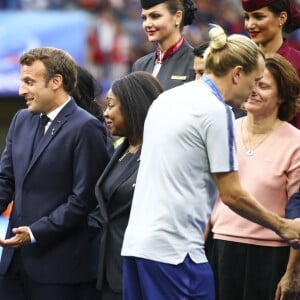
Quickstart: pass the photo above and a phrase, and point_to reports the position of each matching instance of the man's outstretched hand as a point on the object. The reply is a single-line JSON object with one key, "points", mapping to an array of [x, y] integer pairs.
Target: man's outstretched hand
{"points": [[21, 238]]}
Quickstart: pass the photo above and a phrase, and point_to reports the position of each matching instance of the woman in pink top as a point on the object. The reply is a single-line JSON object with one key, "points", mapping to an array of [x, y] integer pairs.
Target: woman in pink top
{"points": [[249, 260]]}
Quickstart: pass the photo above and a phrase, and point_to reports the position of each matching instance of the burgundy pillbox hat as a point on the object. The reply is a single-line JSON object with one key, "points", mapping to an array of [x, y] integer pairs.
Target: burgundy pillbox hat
{"points": [[294, 21], [149, 3], [295, 15], [250, 5]]}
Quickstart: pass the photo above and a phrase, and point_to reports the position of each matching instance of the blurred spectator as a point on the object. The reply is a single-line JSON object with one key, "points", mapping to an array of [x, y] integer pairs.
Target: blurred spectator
{"points": [[9, 4], [92, 5], [121, 49], [116, 38]]}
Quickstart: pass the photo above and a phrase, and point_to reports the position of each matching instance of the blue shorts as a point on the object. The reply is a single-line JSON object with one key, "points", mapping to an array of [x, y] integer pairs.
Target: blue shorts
{"points": [[151, 280]]}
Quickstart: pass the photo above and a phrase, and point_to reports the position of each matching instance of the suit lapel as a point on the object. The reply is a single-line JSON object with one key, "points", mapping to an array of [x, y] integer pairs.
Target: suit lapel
{"points": [[32, 128], [168, 66], [102, 205], [117, 154], [131, 169], [53, 130], [150, 64]]}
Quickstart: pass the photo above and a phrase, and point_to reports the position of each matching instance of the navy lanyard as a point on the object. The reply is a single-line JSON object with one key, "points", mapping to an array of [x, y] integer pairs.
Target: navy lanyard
{"points": [[213, 87], [231, 141]]}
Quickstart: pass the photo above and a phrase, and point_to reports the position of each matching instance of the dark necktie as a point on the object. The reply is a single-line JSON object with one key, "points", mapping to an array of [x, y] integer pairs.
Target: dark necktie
{"points": [[40, 130]]}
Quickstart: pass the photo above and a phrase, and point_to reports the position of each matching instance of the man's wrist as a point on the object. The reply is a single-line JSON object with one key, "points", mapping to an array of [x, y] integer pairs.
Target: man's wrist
{"points": [[32, 238]]}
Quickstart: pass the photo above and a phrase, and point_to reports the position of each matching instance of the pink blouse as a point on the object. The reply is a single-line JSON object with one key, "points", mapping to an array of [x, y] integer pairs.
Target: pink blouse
{"points": [[271, 175]]}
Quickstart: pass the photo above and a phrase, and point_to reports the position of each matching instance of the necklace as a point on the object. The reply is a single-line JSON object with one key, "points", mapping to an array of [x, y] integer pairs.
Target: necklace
{"points": [[124, 155], [130, 150], [250, 152], [251, 145]]}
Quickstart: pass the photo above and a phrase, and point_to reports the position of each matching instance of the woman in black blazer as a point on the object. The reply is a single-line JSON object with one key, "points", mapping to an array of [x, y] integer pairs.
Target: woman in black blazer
{"points": [[128, 101], [163, 22]]}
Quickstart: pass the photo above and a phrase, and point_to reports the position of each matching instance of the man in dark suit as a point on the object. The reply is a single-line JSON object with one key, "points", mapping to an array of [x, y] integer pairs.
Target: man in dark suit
{"points": [[46, 252]]}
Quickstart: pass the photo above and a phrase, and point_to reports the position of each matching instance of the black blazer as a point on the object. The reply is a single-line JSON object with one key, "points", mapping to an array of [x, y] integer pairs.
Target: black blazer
{"points": [[175, 71], [114, 217]]}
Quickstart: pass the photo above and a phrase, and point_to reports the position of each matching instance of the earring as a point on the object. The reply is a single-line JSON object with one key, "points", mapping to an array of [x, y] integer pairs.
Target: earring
{"points": [[176, 23], [280, 24]]}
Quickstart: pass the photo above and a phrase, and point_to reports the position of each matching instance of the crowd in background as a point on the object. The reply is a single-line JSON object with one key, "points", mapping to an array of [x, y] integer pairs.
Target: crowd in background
{"points": [[115, 36]]}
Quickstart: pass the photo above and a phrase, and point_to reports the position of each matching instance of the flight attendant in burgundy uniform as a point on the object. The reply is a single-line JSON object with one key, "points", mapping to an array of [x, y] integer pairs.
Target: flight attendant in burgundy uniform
{"points": [[267, 22]]}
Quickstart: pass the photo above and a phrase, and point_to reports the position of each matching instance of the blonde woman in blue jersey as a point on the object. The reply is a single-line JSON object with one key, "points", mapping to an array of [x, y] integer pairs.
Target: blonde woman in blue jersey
{"points": [[188, 157]]}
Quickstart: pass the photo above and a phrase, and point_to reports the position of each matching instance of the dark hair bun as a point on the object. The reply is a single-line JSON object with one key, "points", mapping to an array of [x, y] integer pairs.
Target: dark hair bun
{"points": [[189, 12]]}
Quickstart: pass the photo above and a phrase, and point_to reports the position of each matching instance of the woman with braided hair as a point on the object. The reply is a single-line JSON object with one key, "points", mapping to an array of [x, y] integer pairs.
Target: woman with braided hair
{"points": [[163, 22]]}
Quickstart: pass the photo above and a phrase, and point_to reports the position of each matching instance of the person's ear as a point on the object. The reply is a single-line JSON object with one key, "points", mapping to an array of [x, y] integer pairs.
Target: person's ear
{"points": [[57, 81], [178, 18], [282, 18], [236, 74]]}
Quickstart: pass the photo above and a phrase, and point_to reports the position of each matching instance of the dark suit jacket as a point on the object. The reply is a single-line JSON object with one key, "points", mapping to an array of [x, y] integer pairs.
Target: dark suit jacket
{"points": [[115, 215], [53, 192], [292, 209], [174, 71]]}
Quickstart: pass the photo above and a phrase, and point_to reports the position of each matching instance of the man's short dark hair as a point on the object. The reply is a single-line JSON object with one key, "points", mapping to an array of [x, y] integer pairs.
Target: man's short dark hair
{"points": [[199, 50]]}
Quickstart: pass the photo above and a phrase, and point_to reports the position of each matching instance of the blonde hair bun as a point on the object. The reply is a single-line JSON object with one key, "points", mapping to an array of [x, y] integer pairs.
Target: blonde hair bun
{"points": [[218, 37]]}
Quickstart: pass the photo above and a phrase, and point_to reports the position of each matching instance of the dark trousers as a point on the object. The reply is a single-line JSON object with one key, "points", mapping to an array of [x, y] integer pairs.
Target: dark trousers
{"points": [[108, 294], [17, 285], [245, 271]]}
